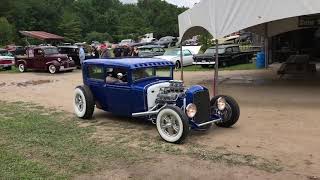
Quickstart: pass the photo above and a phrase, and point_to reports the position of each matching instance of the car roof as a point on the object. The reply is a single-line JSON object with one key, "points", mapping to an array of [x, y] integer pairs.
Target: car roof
{"points": [[150, 46], [75, 47], [131, 63], [225, 46]]}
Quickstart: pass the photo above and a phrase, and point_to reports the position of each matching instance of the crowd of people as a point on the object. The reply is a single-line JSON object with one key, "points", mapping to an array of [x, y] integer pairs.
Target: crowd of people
{"points": [[112, 51]]}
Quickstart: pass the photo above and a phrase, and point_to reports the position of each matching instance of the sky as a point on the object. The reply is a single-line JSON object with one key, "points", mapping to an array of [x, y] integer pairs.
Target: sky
{"points": [[186, 3]]}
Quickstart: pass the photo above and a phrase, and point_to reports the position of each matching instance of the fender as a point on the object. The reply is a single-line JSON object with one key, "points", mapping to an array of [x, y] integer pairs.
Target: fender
{"points": [[19, 61], [56, 63]]}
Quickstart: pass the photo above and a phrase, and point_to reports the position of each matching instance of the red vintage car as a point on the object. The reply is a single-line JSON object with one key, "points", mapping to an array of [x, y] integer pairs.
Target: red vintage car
{"points": [[45, 58]]}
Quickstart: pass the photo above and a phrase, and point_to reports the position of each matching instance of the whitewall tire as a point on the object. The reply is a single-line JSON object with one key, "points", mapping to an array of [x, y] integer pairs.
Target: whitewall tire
{"points": [[52, 69], [172, 124], [83, 102], [22, 67]]}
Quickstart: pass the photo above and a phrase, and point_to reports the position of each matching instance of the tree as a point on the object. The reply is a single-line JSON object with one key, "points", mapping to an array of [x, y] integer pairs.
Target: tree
{"points": [[70, 27], [96, 36], [205, 40], [6, 31]]}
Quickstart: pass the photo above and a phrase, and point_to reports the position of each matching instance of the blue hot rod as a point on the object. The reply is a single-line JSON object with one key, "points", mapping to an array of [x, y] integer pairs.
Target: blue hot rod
{"points": [[144, 88]]}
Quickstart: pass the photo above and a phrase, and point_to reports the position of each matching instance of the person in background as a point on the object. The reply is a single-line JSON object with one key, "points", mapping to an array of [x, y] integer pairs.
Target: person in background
{"points": [[135, 52], [117, 51], [126, 51], [105, 53], [82, 55], [95, 52]]}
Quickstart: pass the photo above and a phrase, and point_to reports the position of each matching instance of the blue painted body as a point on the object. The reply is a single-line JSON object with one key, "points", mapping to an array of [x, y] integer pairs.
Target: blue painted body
{"points": [[125, 99]]}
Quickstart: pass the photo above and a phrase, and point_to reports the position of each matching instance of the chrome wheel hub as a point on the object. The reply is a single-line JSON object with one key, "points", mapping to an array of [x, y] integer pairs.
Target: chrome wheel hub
{"points": [[79, 102], [169, 125]]}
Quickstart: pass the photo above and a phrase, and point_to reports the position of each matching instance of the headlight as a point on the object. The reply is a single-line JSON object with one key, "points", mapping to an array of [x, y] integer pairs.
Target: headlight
{"points": [[59, 59], [191, 110], [70, 58], [221, 103]]}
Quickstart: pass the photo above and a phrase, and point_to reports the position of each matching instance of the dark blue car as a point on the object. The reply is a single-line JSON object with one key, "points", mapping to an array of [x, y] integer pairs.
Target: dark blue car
{"points": [[144, 88]]}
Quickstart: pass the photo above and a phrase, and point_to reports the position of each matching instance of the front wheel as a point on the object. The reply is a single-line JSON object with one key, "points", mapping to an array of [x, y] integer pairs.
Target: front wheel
{"points": [[83, 102], [52, 69], [228, 109], [172, 124]]}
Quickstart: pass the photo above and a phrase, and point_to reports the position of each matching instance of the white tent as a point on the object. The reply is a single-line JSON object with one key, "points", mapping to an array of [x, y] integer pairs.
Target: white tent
{"points": [[223, 17], [264, 17]]}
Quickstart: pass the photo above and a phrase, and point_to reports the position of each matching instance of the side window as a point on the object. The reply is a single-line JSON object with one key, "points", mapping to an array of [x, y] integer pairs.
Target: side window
{"points": [[96, 72], [38, 52], [187, 53], [116, 76], [236, 49], [229, 50]]}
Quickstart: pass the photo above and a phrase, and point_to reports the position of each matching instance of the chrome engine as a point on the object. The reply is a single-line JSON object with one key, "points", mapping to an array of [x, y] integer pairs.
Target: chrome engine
{"points": [[169, 95]]}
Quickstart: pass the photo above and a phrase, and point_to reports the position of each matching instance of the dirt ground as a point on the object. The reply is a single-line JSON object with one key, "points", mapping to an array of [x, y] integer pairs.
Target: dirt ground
{"points": [[279, 122]]}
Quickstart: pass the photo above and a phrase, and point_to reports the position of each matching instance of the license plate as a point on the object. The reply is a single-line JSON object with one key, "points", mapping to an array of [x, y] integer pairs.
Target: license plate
{"points": [[61, 67]]}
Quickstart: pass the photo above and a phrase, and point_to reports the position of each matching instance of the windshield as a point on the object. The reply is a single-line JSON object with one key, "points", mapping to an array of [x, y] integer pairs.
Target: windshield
{"points": [[5, 53], [49, 51], [145, 49], [143, 73], [126, 41], [213, 51], [172, 52]]}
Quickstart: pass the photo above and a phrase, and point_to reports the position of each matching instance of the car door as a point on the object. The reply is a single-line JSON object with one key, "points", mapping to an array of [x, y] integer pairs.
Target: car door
{"points": [[118, 91], [187, 58], [96, 82], [39, 59]]}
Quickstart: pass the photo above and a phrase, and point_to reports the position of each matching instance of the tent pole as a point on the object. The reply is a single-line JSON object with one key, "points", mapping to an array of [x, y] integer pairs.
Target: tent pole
{"points": [[216, 71], [181, 60], [266, 46]]}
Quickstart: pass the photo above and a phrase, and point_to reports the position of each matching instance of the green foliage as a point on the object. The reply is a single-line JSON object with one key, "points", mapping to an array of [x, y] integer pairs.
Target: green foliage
{"points": [[83, 19], [206, 40], [6, 31], [96, 36]]}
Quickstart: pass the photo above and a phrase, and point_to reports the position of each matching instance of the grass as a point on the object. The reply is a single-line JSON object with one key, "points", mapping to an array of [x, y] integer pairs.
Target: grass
{"points": [[249, 66], [13, 70], [36, 144]]}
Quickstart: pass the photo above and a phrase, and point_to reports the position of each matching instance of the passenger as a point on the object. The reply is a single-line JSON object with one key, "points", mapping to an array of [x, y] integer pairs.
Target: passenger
{"points": [[111, 80]]}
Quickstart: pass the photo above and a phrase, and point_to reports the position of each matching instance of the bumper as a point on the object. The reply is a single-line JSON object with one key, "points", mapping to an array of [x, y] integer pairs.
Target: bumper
{"points": [[62, 68], [204, 63], [6, 65]]}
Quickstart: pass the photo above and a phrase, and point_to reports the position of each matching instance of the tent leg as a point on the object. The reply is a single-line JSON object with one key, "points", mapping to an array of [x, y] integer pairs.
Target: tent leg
{"points": [[216, 71], [181, 60]]}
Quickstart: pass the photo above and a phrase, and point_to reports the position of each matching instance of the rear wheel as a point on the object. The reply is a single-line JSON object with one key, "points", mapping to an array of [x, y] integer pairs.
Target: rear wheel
{"points": [[22, 67], [230, 113], [83, 102], [172, 124]]}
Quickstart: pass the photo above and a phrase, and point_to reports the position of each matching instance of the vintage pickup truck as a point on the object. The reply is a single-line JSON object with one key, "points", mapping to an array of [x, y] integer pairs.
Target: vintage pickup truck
{"points": [[228, 55], [45, 58], [144, 88]]}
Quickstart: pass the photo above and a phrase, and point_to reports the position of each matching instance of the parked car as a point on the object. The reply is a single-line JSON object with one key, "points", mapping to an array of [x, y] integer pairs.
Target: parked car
{"points": [[150, 51], [144, 88], [71, 51], [228, 55], [126, 42], [6, 59], [167, 41], [45, 58], [173, 55]]}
